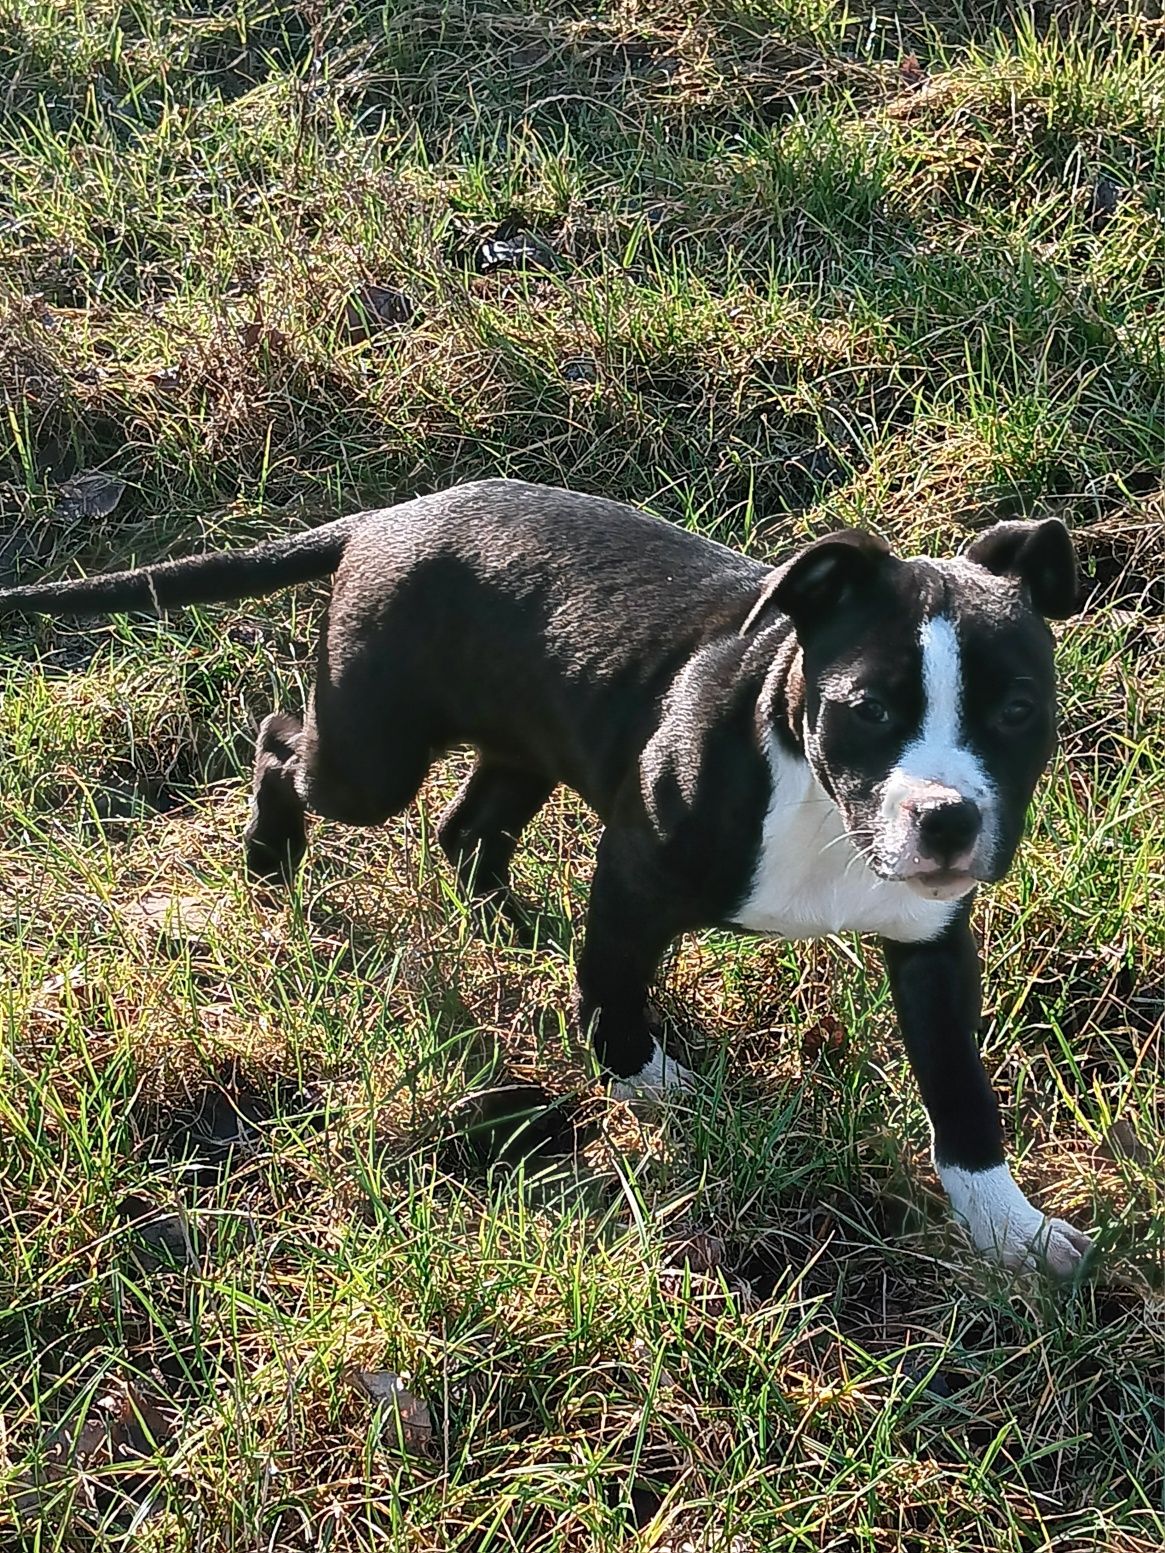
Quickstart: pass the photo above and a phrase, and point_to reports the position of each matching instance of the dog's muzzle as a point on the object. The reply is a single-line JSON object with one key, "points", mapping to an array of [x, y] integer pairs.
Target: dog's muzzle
{"points": [[946, 830], [937, 842]]}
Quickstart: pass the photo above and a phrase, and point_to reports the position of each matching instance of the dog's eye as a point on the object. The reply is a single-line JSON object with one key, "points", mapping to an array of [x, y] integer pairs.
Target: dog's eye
{"points": [[871, 710], [1016, 712]]}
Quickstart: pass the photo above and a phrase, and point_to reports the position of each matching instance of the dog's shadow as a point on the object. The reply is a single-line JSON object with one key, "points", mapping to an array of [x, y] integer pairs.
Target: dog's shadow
{"points": [[512, 1122]]}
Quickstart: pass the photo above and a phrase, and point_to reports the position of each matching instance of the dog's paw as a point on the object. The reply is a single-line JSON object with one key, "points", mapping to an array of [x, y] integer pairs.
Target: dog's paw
{"points": [[659, 1077], [279, 736], [1004, 1225], [267, 864], [1058, 1247], [272, 862], [275, 837]]}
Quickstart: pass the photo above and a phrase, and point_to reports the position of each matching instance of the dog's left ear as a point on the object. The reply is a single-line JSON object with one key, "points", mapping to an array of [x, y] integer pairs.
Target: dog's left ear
{"points": [[819, 579], [1041, 555]]}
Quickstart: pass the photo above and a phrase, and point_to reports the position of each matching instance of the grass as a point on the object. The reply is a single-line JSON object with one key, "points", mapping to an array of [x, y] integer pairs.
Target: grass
{"points": [[815, 264]]}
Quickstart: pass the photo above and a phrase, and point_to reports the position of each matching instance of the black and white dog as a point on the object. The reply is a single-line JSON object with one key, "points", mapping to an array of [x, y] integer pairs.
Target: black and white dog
{"points": [[848, 742]]}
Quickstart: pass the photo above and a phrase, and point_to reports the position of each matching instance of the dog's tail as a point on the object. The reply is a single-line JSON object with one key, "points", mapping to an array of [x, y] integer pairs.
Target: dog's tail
{"points": [[216, 578]]}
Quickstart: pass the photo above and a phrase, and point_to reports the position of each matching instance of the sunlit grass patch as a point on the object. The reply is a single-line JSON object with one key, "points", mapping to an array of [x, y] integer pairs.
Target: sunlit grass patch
{"points": [[799, 265]]}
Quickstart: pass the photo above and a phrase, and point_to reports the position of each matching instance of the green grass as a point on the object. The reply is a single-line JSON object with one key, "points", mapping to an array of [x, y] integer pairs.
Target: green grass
{"points": [[817, 264]]}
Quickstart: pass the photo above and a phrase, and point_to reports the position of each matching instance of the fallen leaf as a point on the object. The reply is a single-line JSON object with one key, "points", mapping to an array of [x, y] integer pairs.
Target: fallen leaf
{"points": [[122, 1426], [1121, 1142], [48, 1488], [92, 1437], [701, 1250], [825, 1038], [92, 495], [411, 1422], [178, 921], [1107, 198], [256, 333], [157, 1230], [145, 1421], [373, 308]]}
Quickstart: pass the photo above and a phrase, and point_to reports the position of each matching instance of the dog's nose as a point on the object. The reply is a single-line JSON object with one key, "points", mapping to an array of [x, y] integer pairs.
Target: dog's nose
{"points": [[948, 828]]}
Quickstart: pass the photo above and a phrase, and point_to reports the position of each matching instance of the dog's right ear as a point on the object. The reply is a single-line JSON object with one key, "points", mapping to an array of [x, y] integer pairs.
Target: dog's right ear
{"points": [[822, 577], [1041, 555]]}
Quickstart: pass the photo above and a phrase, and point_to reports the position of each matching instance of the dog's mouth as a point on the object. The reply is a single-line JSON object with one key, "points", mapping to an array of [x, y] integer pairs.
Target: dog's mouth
{"points": [[930, 883], [935, 884], [944, 884]]}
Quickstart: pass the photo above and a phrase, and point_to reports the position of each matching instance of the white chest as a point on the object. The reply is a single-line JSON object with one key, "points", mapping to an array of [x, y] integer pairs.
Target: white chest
{"points": [[810, 879]]}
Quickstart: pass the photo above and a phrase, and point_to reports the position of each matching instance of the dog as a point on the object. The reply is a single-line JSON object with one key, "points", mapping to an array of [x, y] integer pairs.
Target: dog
{"points": [[846, 742]]}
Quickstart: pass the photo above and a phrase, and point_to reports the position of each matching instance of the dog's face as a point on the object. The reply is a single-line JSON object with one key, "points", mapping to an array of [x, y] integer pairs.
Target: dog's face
{"points": [[929, 694]]}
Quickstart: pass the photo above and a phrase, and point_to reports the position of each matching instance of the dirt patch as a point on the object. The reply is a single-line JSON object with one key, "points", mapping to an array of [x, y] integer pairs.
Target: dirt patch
{"points": [[223, 1118], [1123, 565], [1097, 990], [512, 1122], [1109, 1010]]}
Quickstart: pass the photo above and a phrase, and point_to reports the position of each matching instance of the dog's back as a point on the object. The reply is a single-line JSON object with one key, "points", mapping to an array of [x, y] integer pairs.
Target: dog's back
{"points": [[506, 606]]}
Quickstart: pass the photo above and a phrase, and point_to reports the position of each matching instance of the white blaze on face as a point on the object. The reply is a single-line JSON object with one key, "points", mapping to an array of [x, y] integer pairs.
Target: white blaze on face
{"points": [[938, 764], [942, 688]]}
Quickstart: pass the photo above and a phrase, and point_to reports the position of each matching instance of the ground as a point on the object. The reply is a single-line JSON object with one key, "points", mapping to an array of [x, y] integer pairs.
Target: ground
{"points": [[767, 269]]}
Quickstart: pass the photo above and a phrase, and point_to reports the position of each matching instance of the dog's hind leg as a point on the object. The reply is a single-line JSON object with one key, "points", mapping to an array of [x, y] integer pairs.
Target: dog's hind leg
{"points": [[479, 831], [357, 774], [362, 769], [276, 834]]}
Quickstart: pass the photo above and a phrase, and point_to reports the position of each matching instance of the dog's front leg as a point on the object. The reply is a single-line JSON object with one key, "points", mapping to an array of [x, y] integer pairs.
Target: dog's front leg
{"points": [[631, 919], [936, 990]]}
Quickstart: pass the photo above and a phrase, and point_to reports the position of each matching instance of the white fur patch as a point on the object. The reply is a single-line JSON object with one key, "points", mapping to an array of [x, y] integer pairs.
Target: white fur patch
{"points": [[810, 879], [659, 1076], [937, 759], [1002, 1222], [942, 684]]}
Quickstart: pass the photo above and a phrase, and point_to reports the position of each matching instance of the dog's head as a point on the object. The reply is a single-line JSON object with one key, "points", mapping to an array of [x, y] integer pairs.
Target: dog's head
{"points": [[928, 707]]}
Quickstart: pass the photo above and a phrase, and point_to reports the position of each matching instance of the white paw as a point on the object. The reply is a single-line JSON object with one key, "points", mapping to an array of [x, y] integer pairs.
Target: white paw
{"points": [[1003, 1224], [1059, 1248], [660, 1076]]}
